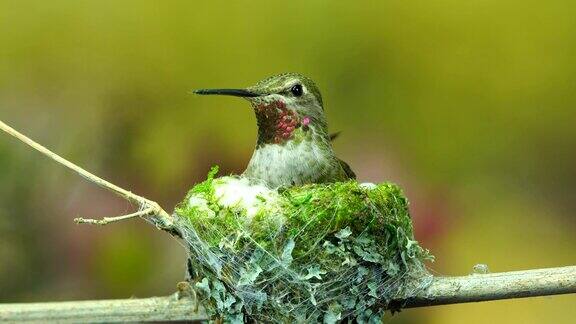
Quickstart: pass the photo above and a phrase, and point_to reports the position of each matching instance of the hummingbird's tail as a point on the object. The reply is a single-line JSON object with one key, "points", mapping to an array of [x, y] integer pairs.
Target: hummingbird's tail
{"points": [[334, 136]]}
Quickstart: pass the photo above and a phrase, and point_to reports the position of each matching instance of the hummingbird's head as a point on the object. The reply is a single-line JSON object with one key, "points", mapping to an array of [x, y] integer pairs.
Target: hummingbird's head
{"points": [[286, 105]]}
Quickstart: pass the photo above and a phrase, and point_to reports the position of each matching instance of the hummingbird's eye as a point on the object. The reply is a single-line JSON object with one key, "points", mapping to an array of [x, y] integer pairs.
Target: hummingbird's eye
{"points": [[296, 90]]}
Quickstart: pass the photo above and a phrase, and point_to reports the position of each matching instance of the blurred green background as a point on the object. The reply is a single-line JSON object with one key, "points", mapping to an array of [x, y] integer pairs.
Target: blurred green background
{"points": [[468, 105]]}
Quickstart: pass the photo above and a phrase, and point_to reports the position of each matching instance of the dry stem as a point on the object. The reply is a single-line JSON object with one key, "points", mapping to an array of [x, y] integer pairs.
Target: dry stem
{"points": [[150, 210]]}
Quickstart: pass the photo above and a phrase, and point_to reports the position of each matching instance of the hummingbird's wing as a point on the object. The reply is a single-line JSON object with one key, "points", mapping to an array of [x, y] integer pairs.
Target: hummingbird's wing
{"points": [[347, 169]]}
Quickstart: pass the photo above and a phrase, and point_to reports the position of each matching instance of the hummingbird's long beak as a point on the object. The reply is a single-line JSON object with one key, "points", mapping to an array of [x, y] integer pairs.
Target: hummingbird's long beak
{"points": [[227, 92]]}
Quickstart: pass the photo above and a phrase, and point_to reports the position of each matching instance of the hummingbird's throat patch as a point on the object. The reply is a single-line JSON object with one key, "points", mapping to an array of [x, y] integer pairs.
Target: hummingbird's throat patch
{"points": [[277, 123]]}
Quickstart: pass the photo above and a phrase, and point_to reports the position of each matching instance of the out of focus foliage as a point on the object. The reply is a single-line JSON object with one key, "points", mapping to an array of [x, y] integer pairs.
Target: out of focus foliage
{"points": [[469, 106]]}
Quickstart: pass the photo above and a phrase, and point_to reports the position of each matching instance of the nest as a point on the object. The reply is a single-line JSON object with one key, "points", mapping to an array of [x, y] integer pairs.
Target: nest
{"points": [[315, 253]]}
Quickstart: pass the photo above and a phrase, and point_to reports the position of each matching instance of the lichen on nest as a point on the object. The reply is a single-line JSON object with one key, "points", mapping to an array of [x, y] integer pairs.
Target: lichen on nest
{"points": [[313, 253]]}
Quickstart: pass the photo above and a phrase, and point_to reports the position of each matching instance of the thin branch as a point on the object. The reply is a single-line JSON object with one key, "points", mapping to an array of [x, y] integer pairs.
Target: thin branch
{"points": [[108, 220], [442, 291], [495, 286], [155, 213], [155, 309]]}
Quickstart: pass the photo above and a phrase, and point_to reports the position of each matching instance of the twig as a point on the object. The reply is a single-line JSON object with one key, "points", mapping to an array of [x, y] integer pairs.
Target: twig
{"points": [[150, 209], [442, 291], [495, 286], [155, 309], [108, 220]]}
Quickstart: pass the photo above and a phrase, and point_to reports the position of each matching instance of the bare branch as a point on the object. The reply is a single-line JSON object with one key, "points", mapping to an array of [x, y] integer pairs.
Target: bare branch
{"points": [[495, 286], [155, 213], [108, 220], [442, 291], [155, 309]]}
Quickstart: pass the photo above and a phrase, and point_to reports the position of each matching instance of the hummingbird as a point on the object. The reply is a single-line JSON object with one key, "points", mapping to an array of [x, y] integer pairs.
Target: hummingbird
{"points": [[293, 145]]}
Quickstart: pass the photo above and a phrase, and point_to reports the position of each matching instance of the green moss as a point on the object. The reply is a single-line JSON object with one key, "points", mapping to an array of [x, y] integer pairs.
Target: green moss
{"points": [[205, 187], [311, 253]]}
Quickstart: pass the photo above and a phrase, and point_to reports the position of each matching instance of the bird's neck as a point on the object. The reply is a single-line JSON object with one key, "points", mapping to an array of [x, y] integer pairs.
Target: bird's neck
{"points": [[278, 124], [292, 149]]}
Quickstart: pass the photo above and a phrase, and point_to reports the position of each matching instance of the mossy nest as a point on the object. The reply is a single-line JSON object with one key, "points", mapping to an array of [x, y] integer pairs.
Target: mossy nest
{"points": [[313, 253]]}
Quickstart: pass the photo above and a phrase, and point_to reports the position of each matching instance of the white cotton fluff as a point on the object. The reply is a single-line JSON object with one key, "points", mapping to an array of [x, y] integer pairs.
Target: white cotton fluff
{"points": [[368, 185], [238, 193], [201, 204]]}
